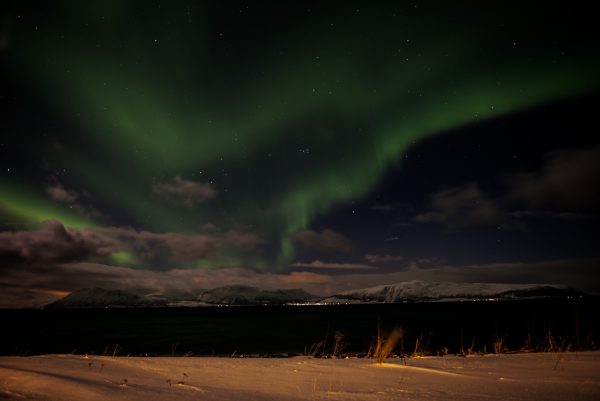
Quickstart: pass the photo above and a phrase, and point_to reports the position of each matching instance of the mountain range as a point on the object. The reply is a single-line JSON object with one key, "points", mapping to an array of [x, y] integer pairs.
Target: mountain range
{"points": [[410, 291], [425, 291]]}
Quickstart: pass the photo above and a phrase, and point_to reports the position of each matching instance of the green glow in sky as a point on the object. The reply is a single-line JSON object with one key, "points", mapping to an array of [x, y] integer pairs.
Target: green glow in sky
{"points": [[283, 131]]}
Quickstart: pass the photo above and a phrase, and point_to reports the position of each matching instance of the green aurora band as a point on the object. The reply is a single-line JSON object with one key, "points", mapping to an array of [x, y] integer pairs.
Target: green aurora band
{"points": [[285, 132]]}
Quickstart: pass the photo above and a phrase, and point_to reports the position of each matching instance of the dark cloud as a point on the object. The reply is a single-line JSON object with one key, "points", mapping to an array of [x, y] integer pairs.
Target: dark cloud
{"points": [[53, 243], [317, 264], [429, 262], [59, 193], [183, 247], [72, 198], [569, 180], [397, 207], [461, 207], [548, 215], [241, 239], [567, 184], [210, 227], [382, 258], [324, 241], [383, 207], [184, 192], [147, 244]]}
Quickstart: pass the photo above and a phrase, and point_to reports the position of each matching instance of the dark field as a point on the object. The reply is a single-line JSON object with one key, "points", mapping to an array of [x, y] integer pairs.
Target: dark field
{"points": [[268, 330]]}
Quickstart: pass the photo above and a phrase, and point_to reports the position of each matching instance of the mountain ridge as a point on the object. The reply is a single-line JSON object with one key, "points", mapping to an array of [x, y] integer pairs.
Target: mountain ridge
{"points": [[243, 295], [431, 291]]}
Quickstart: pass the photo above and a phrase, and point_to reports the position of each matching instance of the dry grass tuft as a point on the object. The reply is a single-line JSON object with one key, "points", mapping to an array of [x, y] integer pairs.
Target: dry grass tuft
{"points": [[500, 345], [385, 346], [338, 343]]}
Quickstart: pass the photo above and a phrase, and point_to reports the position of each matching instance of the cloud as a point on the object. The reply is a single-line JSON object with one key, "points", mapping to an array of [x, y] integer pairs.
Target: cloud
{"points": [[382, 258], [303, 279], [241, 239], [399, 207], [184, 192], [570, 179], [461, 207], [317, 264], [546, 215], [210, 227], [324, 241], [52, 243], [567, 186], [60, 193], [383, 207], [428, 262], [147, 244], [183, 247]]}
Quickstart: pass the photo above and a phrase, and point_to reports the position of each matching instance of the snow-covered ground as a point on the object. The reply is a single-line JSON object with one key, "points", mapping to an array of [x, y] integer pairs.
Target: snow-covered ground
{"points": [[566, 376]]}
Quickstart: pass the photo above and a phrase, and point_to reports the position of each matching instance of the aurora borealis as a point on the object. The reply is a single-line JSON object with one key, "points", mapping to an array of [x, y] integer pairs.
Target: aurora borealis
{"points": [[194, 138]]}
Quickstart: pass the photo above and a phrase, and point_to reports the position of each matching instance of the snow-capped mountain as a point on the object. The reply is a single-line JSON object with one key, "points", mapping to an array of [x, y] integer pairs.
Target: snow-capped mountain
{"points": [[103, 298], [135, 298], [245, 295], [422, 291], [410, 291]]}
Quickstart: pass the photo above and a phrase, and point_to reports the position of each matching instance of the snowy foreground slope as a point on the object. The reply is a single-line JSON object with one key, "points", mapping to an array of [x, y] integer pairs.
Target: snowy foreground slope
{"points": [[526, 377]]}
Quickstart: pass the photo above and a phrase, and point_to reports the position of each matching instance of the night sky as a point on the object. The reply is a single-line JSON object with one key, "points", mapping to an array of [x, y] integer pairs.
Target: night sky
{"points": [[176, 146]]}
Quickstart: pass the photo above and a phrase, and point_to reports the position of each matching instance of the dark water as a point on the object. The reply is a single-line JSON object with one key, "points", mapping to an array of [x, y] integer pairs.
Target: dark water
{"points": [[293, 329]]}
